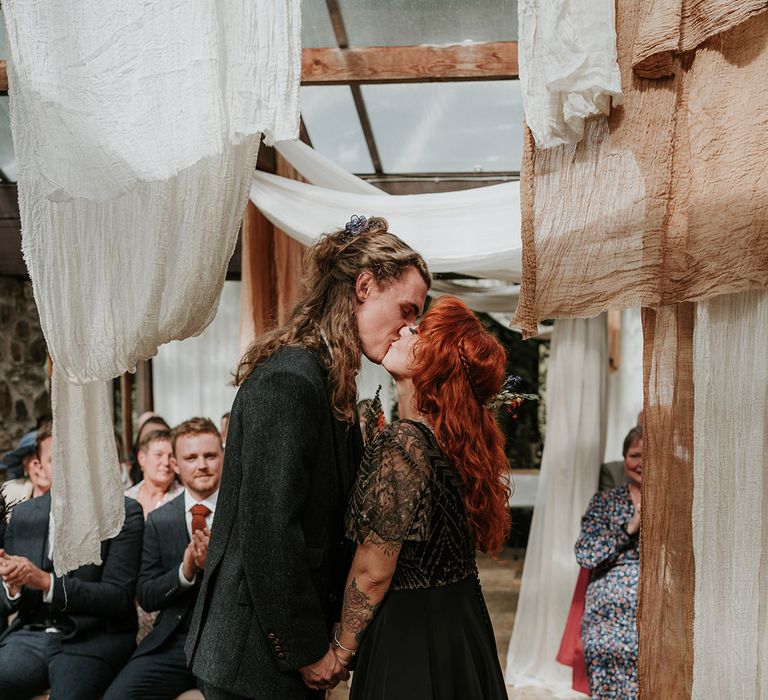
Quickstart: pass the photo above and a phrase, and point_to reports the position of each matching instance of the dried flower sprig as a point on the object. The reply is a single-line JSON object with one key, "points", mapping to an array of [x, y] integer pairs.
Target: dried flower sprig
{"points": [[374, 416], [508, 397]]}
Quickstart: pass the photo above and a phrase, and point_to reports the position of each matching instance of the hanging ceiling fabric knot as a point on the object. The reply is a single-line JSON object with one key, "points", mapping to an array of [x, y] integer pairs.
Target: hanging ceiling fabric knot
{"points": [[136, 128]]}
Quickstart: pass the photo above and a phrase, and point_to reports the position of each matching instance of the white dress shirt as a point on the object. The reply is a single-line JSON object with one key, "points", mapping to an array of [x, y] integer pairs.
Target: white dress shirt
{"points": [[189, 501]]}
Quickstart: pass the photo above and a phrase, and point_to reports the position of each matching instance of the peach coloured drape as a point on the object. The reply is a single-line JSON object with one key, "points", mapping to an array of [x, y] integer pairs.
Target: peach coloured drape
{"points": [[664, 203]]}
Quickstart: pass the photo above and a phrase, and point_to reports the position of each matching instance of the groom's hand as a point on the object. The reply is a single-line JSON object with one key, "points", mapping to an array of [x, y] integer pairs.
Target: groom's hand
{"points": [[325, 673]]}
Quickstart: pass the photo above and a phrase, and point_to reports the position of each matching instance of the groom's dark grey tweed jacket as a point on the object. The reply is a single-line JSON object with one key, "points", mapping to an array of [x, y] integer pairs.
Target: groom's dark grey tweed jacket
{"points": [[277, 560]]}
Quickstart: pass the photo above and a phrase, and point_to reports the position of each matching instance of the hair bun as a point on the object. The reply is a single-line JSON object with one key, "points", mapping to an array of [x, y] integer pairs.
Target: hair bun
{"points": [[376, 224]]}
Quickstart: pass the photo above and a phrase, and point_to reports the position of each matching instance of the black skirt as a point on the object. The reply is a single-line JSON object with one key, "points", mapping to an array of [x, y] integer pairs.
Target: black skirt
{"points": [[430, 644]]}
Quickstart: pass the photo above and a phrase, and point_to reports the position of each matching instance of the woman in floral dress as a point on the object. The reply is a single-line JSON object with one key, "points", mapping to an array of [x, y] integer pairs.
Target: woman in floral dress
{"points": [[609, 547]]}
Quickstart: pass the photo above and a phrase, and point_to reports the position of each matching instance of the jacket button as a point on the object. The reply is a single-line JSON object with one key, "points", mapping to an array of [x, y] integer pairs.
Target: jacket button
{"points": [[278, 648], [281, 655], [332, 597], [271, 635]]}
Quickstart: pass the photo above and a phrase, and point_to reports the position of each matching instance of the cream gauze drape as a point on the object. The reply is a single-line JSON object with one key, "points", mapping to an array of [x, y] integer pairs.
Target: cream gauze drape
{"points": [[625, 385], [485, 295], [730, 497], [193, 377], [136, 128], [573, 450], [568, 69], [472, 231]]}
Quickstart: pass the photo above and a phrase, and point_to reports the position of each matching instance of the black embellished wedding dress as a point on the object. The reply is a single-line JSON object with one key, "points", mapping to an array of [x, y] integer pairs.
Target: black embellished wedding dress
{"points": [[431, 638]]}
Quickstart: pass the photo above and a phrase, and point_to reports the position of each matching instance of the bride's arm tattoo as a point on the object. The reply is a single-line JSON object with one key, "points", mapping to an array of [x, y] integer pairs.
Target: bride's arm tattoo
{"points": [[358, 610], [364, 593]]}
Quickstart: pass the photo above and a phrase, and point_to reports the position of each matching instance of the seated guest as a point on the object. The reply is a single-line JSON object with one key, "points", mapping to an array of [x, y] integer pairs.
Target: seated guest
{"points": [[609, 547], [22, 469], [159, 484], [148, 421], [72, 633], [175, 548]]}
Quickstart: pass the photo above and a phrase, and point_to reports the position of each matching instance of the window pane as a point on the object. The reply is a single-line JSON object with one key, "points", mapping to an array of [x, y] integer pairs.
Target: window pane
{"points": [[406, 22], [334, 127], [316, 28], [447, 127]]}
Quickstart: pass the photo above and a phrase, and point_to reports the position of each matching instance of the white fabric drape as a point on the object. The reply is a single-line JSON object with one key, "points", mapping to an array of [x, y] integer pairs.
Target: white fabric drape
{"points": [[730, 497], [625, 385], [573, 449], [473, 231], [193, 377], [568, 66], [498, 298], [136, 128], [486, 295]]}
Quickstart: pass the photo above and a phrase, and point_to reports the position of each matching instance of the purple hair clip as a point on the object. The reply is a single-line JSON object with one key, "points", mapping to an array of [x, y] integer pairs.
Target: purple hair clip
{"points": [[353, 228]]}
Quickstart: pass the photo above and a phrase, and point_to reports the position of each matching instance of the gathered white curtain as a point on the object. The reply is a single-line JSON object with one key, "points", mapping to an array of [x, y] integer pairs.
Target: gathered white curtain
{"points": [[625, 385], [193, 377], [475, 232], [730, 497], [136, 128], [573, 450], [568, 66]]}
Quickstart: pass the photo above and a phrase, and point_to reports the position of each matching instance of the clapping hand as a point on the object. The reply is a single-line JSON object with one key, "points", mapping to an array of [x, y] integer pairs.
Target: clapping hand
{"points": [[196, 553], [200, 540]]}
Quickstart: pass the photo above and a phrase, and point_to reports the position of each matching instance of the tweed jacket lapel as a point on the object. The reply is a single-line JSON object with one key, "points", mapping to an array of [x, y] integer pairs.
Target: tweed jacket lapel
{"points": [[342, 435]]}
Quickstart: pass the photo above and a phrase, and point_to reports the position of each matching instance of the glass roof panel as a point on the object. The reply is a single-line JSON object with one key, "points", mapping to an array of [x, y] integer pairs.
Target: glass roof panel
{"points": [[447, 127], [333, 126], [316, 27], [406, 22], [7, 155]]}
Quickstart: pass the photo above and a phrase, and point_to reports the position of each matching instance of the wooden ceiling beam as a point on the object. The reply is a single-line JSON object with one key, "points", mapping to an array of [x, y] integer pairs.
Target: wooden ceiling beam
{"points": [[410, 64], [495, 60]]}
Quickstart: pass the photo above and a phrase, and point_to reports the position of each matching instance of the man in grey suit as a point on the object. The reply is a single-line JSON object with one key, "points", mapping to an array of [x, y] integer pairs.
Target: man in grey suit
{"points": [[175, 548], [72, 633], [278, 560]]}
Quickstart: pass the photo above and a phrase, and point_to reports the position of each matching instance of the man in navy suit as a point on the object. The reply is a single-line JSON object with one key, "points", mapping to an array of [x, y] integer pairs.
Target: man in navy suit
{"points": [[175, 549], [72, 633]]}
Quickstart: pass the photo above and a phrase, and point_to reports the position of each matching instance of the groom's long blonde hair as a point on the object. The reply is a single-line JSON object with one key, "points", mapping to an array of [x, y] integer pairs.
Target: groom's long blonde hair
{"points": [[332, 266]]}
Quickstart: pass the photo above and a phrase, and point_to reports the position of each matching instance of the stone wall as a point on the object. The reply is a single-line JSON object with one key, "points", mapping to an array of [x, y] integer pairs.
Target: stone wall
{"points": [[23, 362]]}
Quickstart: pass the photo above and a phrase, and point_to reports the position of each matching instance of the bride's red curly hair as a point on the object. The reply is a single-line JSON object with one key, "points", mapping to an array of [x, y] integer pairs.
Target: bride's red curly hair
{"points": [[458, 366]]}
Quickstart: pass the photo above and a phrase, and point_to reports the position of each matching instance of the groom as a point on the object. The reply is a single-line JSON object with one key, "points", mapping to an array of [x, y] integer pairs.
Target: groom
{"points": [[278, 559]]}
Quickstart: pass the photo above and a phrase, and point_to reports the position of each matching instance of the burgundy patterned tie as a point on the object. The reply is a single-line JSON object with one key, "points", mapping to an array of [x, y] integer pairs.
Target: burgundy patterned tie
{"points": [[199, 511]]}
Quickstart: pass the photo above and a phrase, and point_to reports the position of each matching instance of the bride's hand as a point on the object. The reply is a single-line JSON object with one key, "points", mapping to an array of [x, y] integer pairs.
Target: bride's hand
{"points": [[325, 673]]}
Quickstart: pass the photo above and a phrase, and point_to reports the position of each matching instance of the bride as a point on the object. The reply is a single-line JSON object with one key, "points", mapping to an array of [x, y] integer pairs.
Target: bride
{"points": [[430, 491]]}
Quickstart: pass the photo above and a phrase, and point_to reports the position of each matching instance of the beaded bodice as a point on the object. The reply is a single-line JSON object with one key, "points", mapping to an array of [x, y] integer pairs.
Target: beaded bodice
{"points": [[407, 494]]}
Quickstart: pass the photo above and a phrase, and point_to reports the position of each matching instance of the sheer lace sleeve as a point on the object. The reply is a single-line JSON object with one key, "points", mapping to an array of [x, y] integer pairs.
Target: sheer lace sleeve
{"points": [[390, 500]]}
